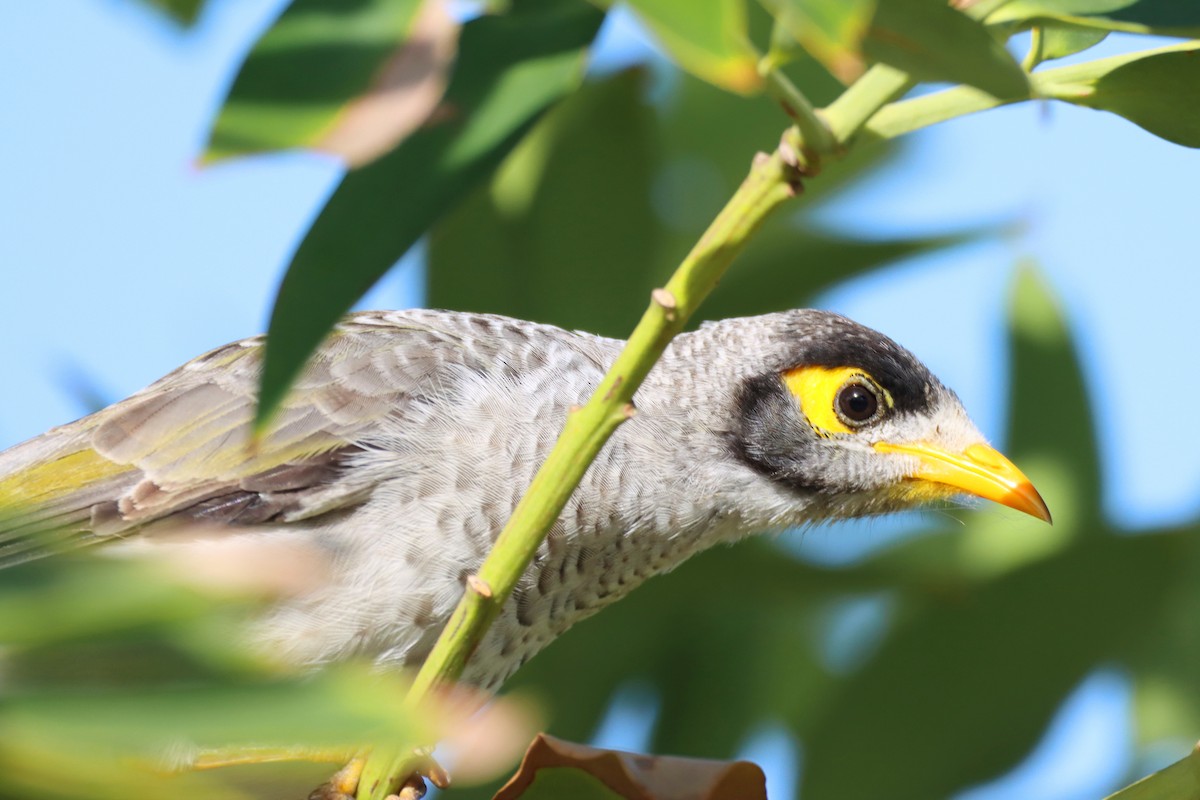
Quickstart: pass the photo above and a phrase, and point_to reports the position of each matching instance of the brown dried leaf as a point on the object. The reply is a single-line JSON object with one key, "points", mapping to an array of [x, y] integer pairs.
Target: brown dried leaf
{"points": [[641, 777]]}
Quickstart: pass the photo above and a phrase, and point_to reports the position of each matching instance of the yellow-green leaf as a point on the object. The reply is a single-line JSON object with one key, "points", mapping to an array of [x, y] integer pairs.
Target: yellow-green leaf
{"points": [[707, 38], [1160, 93], [934, 42], [1169, 17], [830, 30]]}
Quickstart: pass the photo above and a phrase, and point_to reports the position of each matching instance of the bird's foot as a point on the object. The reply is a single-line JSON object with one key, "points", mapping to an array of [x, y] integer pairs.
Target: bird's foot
{"points": [[344, 783]]}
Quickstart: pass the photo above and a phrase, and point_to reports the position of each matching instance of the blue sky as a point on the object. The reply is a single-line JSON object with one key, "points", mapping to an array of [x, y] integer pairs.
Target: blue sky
{"points": [[121, 260]]}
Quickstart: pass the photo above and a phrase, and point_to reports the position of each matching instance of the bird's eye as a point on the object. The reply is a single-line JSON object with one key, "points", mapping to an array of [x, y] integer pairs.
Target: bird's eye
{"points": [[856, 404], [837, 400]]}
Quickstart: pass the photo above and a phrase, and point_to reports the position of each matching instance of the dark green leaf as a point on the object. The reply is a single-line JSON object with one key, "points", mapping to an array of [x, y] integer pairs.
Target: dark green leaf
{"points": [[512, 68], [316, 58], [565, 232], [787, 265], [1160, 93], [996, 656], [706, 37], [934, 42], [964, 691]]}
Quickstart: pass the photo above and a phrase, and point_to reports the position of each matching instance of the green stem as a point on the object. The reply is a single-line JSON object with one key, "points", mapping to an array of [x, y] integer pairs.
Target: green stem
{"points": [[1180, 781], [772, 180], [816, 139], [1036, 49], [880, 84]]}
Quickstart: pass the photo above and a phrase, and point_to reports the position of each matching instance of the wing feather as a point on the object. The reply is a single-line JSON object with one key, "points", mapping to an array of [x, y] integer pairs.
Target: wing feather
{"points": [[181, 448]]}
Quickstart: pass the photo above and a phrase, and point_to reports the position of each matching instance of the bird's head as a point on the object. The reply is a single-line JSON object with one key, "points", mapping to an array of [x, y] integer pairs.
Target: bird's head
{"points": [[856, 424]]}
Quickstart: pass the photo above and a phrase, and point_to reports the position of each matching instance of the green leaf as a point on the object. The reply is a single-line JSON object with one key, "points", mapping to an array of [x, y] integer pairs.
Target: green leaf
{"points": [[786, 266], [978, 667], [318, 57], [934, 42], [706, 37], [1168, 17], [1160, 93], [831, 31], [565, 233], [1060, 40], [1179, 781], [512, 68]]}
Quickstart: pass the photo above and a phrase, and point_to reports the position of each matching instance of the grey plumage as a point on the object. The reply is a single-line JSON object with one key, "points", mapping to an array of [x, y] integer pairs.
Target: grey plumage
{"points": [[411, 436]]}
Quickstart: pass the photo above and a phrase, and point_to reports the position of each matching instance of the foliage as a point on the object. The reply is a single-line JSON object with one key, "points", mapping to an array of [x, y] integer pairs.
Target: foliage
{"points": [[544, 195]]}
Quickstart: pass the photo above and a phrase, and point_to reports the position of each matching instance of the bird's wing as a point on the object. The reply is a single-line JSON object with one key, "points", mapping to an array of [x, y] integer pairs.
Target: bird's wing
{"points": [[181, 448]]}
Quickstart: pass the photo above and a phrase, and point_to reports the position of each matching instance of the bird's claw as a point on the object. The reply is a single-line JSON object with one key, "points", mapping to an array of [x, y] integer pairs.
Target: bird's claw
{"points": [[344, 783]]}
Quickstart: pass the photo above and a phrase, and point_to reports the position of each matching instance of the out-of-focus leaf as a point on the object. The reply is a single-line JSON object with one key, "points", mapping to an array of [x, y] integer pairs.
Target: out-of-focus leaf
{"points": [[511, 69], [738, 612], [350, 78], [564, 233], [1160, 93], [1179, 781], [981, 674], [1060, 40], [996, 657], [707, 38], [40, 601], [788, 265], [934, 42], [831, 31], [1168, 17], [182, 11], [555, 768]]}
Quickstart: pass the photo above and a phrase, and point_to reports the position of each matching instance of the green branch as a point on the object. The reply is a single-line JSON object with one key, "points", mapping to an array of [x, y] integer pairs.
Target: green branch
{"points": [[1071, 84], [772, 180], [816, 139]]}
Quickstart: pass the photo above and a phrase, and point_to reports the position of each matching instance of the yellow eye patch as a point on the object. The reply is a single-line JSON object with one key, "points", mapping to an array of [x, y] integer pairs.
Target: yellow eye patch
{"points": [[817, 390]]}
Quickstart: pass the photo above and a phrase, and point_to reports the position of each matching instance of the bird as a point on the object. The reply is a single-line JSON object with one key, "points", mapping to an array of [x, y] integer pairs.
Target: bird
{"points": [[410, 436]]}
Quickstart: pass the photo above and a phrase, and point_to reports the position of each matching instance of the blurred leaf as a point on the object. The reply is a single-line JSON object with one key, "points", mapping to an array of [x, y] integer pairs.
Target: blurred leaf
{"points": [[980, 675], [934, 42], [995, 658], [707, 38], [1180, 781], [117, 705], [831, 30], [1061, 40], [511, 69], [555, 768], [1160, 93], [349, 78], [40, 601], [182, 11], [787, 266], [564, 233], [1168, 17]]}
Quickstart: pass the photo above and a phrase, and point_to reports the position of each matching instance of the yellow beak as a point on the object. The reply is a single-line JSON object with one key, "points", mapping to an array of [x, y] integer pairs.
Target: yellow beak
{"points": [[978, 470]]}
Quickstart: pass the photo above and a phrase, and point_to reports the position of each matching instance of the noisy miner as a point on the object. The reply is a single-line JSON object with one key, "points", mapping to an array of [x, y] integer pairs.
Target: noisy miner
{"points": [[411, 435]]}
